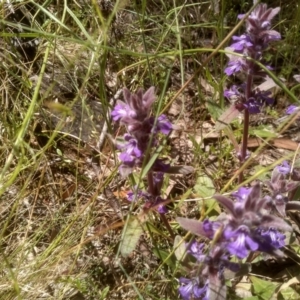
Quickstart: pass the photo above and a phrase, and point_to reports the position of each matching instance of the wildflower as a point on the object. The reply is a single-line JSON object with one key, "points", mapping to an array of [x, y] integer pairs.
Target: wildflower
{"points": [[207, 279], [235, 64], [122, 111], [284, 168], [241, 42], [258, 25], [280, 186], [241, 194], [163, 125], [292, 109], [196, 250], [240, 230], [240, 241], [192, 289], [254, 103], [251, 44], [135, 113], [271, 238]]}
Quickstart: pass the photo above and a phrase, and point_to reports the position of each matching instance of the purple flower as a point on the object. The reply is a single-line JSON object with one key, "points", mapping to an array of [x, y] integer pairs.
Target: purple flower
{"points": [[235, 65], [140, 102], [252, 43], [122, 110], [284, 168], [237, 231], [234, 92], [270, 238], [253, 106], [240, 241], [279, 186], [191, 289], [264, 97], [136, 194], [196, 250], [163, 125], [291, 109], [257, 101], [162, 209], [210, 228], [259, 22], [241, 42], [130, 149], [241, 194], [134, 112]]}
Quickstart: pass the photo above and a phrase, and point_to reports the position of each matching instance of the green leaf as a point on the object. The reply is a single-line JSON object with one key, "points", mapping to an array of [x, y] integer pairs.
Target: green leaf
{"points": [[204, 186], [179, 248], [288, 294], [264, 133], [214, 109], [131, 236], [227, 117], [104, 293], [166, 257], [262, 288]]}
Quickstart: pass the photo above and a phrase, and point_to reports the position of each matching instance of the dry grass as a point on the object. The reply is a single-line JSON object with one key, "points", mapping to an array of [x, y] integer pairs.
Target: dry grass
{"points": [[62, 208]]}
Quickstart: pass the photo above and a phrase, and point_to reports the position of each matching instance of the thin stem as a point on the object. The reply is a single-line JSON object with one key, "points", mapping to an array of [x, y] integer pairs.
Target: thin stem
{"points": [[152, 190], [245, 141], [246, 119], [169, 228]]}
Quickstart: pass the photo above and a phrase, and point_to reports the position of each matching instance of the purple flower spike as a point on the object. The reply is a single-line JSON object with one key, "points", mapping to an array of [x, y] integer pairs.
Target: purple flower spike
{"points": [[259, 21], [252, 43]]}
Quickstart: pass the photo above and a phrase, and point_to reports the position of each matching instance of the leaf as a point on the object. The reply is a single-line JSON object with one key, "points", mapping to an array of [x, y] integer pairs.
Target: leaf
{"points": [[131, 236], [194, 226], [264, 133], [204, 186], [179, 248], [288, 294], [227, 117], [295, 280], [166, 257], [104, 293], [243, 290], [58, 108], [214, 109], [184, 170], [244, 270], [264, 289]]}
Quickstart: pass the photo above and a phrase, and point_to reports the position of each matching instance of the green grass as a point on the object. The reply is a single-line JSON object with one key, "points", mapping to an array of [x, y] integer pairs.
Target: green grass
{"points": [[60, 225]]}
